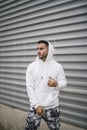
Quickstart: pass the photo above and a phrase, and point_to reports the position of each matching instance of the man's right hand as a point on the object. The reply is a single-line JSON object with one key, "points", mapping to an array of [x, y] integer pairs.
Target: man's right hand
{"points": [[39, 110]]}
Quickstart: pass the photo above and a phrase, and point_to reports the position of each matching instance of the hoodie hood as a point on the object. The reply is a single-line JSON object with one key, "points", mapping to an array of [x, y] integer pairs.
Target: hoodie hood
{"points": [[50, 52]]}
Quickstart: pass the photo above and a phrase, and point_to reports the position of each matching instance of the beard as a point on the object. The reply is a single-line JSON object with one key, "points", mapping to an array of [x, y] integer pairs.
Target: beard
{"points": [[42, 57]]}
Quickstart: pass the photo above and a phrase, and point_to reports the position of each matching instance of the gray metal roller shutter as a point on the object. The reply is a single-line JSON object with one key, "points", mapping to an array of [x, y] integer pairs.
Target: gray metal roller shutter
{"points": [[64, 23]]}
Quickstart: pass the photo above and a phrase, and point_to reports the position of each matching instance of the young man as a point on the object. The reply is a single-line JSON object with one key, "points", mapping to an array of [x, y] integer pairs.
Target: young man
{"points": [[44, 78]]}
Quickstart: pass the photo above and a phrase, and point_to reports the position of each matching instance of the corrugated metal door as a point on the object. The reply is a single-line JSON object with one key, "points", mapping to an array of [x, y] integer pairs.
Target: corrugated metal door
{"points": [[64, 23]]}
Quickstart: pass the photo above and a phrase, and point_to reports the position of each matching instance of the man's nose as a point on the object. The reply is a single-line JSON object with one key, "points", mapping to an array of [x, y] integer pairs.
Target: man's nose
{"points": [[38, 51]]}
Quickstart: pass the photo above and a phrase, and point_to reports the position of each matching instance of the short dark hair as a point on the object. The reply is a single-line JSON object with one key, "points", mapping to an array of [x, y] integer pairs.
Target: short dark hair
{"points": [[43, 41]]}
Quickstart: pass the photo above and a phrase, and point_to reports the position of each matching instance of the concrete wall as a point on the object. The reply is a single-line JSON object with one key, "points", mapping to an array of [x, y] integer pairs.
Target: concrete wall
{"points": [[13, 119]]}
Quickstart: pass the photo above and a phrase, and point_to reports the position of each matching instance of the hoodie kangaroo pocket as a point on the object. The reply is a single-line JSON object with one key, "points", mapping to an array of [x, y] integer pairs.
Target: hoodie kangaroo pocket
{"points": [[45, 99]]}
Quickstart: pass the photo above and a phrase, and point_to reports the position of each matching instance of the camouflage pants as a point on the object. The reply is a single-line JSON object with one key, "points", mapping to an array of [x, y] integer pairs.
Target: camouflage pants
{"points": [[51, 117]]}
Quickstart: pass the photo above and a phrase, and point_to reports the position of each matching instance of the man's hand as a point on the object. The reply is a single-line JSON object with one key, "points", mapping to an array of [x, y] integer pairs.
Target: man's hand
{"points": [[52, 82], [39, 110]]}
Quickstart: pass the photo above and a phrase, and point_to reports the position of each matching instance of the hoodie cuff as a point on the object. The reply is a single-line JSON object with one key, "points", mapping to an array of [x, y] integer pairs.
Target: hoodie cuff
{"points": [[37, 105], [62, 84]]}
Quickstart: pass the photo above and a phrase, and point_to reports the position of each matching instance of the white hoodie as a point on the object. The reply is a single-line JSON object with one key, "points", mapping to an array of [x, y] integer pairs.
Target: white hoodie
{"points": [[37, 75]]}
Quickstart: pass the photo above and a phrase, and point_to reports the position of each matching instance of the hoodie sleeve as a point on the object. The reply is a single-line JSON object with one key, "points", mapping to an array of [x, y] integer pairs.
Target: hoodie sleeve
{"points": [[61, 78], [30, 88]]}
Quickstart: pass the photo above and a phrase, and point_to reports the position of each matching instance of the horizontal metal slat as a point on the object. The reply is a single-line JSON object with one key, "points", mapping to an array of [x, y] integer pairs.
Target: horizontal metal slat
{"points": [[17, 59], [69, 58], [82, 92], [13, 102], [9, 87], [13, 82], [18, 47], [19, 52], [14, 94], [15, 105], [14, 64], [12, 76]]}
